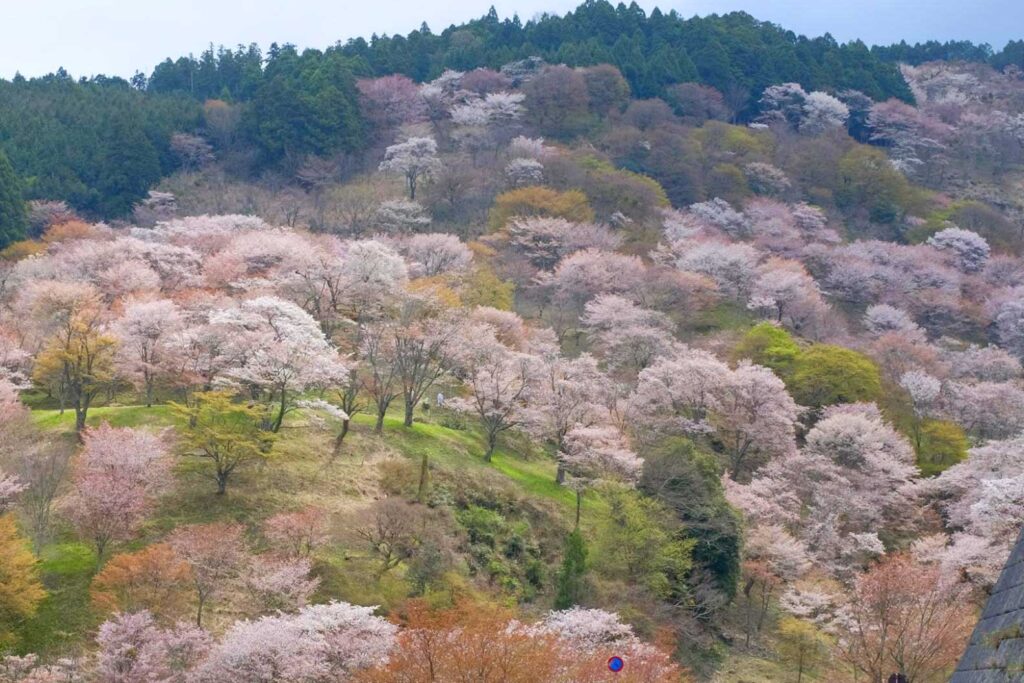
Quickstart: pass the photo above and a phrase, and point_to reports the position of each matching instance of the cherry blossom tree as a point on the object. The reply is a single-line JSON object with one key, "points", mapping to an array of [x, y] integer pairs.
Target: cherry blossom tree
{"points": [[545, 241], [147, 330], [629, 337], [765, 179], [747, 411], [984, 363], [598, 452], [882, 318], [27, 669], [371, 276], [568, 393], [300, 532], [192, 150], [981, 502], [500, 381], [425, 350], [580, 277], [390, 102], [822, 112], [732, 266], [771, 558], [415, 159], [853, 478], [10, 487], [588, 629], [435, 254], [969, 249], [280, 349], [401, 216], [134, 649], [990, 410], [902, 616], [215, 553], [380, 375], [118, 475], [924, 390], [14, 361], [1009, 327], [522, 172], [280, 584], [677, 393], [790, 293], [487, 122], [753, 417], [783, 103], [321, 642], [913, 137]]}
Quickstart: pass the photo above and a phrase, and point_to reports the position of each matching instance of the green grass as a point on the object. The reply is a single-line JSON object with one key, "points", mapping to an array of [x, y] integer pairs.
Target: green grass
{"points": [[118, 416], [64, 616]]}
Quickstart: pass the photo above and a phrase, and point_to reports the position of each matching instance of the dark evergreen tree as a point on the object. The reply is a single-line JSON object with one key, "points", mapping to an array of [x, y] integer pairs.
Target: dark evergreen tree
{"points": [[571, 581], [13, 213], [688, 481]]}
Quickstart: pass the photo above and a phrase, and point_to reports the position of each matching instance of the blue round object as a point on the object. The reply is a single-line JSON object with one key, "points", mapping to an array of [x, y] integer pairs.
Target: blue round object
{"points": [[616, 664]]}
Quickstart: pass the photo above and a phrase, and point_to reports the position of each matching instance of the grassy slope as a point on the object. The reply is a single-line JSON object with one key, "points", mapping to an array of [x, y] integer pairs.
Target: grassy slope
{"points": [[295, 476]]}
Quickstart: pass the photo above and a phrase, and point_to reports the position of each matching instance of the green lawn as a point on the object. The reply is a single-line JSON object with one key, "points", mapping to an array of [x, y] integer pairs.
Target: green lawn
{"points": [[64, 616]]}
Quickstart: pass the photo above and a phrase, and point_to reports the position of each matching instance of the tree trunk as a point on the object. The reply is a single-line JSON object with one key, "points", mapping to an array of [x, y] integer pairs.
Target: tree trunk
{"points": [[222, 483], [579, 506], [409, 409], [81, 413], [421, 492], [338, 440], [492, 443], [560, 473], [378, 428], [280, 412]]}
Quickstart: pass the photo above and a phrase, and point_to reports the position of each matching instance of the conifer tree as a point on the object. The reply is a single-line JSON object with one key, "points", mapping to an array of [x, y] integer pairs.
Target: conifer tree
{"points": [[574, 567], [13, 214]]}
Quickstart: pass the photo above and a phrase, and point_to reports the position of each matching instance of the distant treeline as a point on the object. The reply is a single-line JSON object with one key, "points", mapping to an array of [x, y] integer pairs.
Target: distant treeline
{"points": [[735, 53], [953, 51], [101, 143]]}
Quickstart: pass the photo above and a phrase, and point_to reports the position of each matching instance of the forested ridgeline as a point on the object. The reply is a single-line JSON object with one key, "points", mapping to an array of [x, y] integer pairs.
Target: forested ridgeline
{"points": [[99, 143]]}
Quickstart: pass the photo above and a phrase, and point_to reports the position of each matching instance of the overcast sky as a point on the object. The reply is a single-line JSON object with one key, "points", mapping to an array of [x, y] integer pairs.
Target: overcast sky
{"points": [[116, 37]]}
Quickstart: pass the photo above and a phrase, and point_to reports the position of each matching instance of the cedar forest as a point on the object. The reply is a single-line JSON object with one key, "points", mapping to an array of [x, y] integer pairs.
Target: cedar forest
{"points": [[489, 354]]}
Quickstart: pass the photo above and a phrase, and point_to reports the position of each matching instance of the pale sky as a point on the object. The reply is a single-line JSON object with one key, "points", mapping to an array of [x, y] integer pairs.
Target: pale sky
{"points": [[116, 37]]}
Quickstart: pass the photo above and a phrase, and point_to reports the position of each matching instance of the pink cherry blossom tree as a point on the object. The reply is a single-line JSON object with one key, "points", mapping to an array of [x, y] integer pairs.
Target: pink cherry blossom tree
{"points": [[321, 642], [280, 584], [499, 380], [117, 478], [297, 533], [215, 553], [134, 649], [280, 350], [415, 159], [146, 330]]}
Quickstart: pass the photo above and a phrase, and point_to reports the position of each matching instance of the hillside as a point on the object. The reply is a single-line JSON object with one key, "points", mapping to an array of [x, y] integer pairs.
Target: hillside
{"points": [[467, 357]]}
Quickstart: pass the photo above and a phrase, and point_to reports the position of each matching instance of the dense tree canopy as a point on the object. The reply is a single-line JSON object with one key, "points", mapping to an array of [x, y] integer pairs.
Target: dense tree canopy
{"points": [[13, 215], [735, 53], [97, 144]]}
